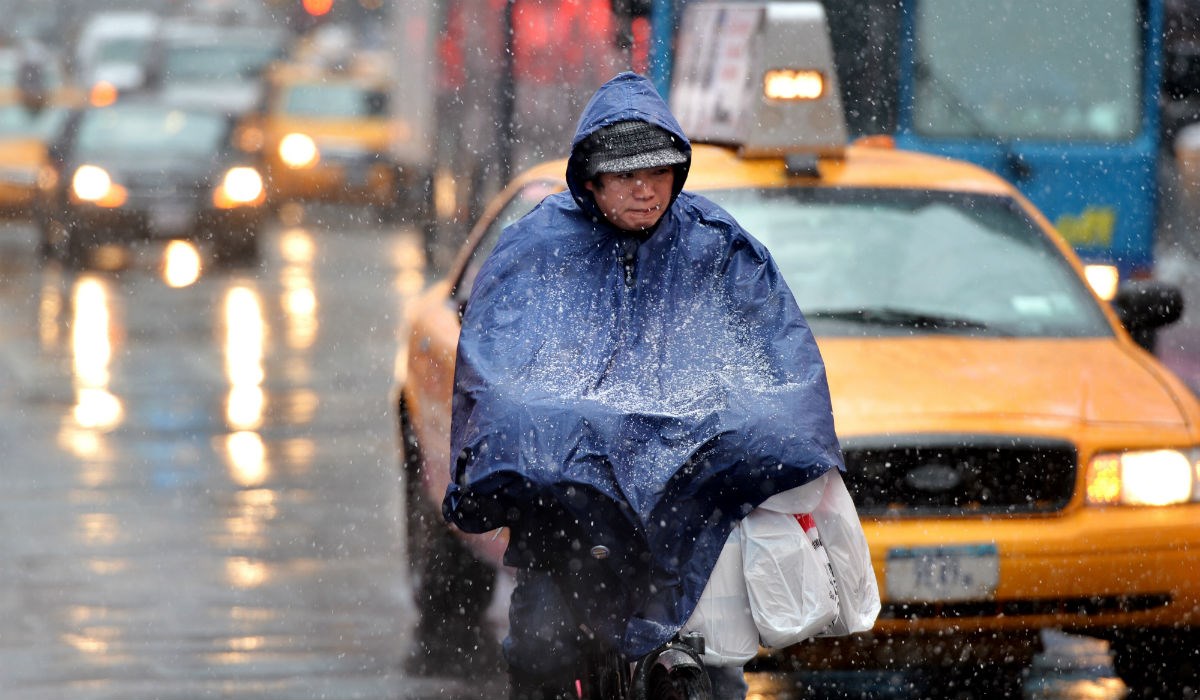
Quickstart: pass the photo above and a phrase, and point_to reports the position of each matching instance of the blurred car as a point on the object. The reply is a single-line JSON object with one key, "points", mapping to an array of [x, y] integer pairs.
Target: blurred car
{"points": [[326, 137], [34, 98], [32, 75], [214, 66], [138, 170], [24, 135], [1019, 461], [111, 51]]}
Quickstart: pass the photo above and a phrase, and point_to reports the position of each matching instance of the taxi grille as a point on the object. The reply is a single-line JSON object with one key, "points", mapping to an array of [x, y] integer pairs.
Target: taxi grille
{"points": [[146, 188], [959, 475], [348, 158]]}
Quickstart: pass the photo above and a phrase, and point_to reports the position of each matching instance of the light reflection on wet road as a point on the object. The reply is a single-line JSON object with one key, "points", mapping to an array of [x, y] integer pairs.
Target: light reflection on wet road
{"points": [[199, 479]]}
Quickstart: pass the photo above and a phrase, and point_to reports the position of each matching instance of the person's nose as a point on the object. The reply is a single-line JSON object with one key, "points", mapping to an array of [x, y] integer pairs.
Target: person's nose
{"points": [[642, 189]]}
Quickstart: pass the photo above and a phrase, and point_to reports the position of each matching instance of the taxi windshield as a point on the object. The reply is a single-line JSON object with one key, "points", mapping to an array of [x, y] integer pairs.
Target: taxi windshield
{"points": [[161, 132], [883, 262], [325, 100]]}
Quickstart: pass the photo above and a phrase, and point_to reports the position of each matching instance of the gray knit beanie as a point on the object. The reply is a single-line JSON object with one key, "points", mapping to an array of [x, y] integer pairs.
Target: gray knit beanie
{"points": [[630, 145]]}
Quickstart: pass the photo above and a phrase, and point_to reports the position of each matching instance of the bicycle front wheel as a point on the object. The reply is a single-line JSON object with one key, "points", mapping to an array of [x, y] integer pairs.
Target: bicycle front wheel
{"points": [[678, 683]]}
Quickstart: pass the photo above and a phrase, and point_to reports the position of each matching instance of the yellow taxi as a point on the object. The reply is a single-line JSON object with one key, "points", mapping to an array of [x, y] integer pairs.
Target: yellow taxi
{"points": [[326, 136], [34, 99], [1019, 460], [23, 154]]}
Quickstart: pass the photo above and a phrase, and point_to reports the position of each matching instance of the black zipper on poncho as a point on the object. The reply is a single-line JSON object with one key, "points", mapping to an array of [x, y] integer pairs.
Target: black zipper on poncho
{"points": [[627, 253]]}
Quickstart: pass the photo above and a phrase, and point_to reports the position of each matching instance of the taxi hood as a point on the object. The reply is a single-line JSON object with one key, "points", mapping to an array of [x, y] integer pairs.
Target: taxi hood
{"points": [[936, 383]]}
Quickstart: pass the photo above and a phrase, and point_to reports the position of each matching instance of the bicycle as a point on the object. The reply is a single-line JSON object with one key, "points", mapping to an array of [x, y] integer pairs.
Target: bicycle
{"points": [[673, 671]]}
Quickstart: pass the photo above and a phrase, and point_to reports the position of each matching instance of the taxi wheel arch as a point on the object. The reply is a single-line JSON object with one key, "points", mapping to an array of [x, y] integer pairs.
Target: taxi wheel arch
{"points": [[451, 588]]}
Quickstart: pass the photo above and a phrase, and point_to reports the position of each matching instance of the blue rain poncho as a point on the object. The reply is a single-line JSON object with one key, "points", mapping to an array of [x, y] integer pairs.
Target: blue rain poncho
{"points": [[635, 392]]}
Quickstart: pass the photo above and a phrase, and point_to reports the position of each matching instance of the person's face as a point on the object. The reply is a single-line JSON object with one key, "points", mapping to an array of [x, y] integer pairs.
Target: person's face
{"points": [[635, 200]]}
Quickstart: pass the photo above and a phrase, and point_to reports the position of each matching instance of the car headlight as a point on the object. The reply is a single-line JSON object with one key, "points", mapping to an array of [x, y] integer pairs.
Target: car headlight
{"points": [[298, 151], [241, 185], [91, 183], [1144, 477]]}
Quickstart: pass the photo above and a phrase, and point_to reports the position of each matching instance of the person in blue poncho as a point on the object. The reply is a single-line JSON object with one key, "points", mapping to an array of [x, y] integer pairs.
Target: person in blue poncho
{"points": [[633, 377]]}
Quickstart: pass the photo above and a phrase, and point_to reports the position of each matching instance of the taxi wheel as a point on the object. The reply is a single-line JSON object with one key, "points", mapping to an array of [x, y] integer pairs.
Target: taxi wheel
{"points": [[78, 246], [411, 200], [420, 198], [52, 238], [1159, 663], [451, 589], [45, 247]]}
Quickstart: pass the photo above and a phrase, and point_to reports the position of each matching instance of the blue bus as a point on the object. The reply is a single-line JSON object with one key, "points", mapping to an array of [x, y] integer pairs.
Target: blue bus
{"points": [[1061, 98]]}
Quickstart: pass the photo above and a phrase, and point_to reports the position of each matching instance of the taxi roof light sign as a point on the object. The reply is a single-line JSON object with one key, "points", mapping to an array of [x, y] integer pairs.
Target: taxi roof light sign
{"points": [[760, 76], [792, 84]]}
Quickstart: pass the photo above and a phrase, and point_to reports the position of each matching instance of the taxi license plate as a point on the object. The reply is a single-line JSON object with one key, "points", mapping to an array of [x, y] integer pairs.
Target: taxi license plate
{"points": [[170, 220], [943, 574]]}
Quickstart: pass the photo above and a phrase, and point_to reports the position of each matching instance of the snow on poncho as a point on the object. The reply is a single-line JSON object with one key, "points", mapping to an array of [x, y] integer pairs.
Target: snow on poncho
{"points": [[635, 392]]}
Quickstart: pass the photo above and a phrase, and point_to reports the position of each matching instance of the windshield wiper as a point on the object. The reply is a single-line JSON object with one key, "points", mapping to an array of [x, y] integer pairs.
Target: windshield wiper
{"points": [[1013, 161], [899, 318], [923, 70]]}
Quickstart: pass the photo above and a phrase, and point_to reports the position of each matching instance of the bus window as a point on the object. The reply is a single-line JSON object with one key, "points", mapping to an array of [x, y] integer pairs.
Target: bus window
{"points": [[1019, 78]]}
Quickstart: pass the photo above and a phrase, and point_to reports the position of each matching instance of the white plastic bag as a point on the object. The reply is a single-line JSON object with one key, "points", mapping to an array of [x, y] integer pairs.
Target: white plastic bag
{"points": [[846, 545], [788, 577], [802, 499], [723, 613]]}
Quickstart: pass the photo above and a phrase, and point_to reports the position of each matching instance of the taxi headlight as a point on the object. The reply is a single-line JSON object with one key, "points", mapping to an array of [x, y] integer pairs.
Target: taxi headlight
{"points": [[241, 185], [91, 183], [1144, 477], [298, 151]]}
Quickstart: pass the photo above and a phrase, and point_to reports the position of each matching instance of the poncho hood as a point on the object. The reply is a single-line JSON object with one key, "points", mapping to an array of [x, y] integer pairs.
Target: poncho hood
{"points": [[621, 400], [627, 96]]}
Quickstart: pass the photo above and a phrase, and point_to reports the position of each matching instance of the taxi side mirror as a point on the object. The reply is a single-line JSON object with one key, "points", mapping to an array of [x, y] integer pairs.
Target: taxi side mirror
{"points": [[1144, 306]]}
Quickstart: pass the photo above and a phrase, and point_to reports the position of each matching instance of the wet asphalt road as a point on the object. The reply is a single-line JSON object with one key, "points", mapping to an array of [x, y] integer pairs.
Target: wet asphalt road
{"points": [[199, 495], [199, 482]]}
